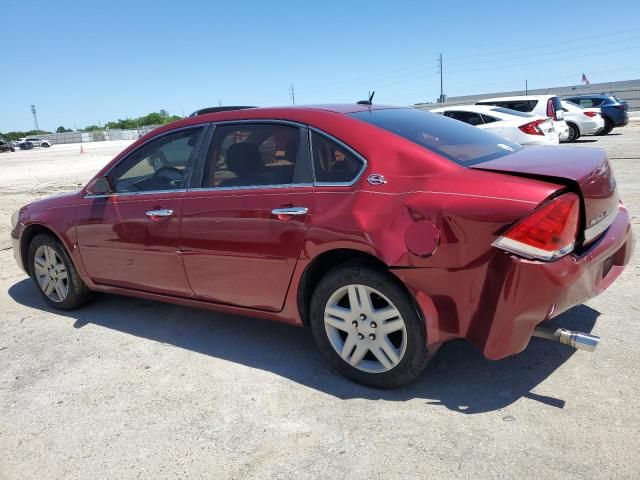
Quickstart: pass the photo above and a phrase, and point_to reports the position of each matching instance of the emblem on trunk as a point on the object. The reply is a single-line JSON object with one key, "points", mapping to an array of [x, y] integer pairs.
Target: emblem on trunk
{"points": [[376, 179], [599, 217]]}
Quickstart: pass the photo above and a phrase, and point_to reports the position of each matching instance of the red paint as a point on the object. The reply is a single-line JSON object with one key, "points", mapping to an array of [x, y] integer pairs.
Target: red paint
{"points": [[432, 224]]}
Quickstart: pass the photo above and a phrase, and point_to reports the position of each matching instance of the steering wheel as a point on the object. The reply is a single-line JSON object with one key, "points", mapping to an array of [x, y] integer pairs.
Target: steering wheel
{"points": [[167, 176], [158, 160]]}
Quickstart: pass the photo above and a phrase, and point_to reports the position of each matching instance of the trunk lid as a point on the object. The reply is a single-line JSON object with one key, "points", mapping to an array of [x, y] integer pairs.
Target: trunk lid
{"points": [[585, 170]]}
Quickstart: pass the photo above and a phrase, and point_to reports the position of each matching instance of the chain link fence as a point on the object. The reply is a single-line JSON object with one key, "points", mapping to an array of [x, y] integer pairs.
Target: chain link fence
{"points": [[98, 135]]}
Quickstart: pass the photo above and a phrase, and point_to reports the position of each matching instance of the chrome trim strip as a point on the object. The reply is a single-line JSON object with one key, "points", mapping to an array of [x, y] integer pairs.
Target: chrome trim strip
{"points": [[250, 187], [260, 120], [591, 233], [346, 147], [125, 194]]}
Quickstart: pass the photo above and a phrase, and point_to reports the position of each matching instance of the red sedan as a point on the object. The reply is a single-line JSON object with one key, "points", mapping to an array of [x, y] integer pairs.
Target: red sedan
{"points": [[387, 231]]}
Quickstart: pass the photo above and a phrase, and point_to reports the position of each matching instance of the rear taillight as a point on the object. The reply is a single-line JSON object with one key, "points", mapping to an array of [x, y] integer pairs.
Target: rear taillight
{"points": [[590, 114], [550, 111], [620, 107], [546, 234], [532, 128]]}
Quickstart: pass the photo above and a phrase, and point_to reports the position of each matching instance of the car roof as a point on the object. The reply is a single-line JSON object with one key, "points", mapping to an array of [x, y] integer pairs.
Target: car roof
{"points": [[295, 113], [588, 95], [517, 97], [488, 109]]}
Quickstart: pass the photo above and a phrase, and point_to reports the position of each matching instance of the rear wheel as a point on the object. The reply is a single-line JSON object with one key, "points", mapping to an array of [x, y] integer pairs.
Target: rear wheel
{"points": [[368, 327], [55, 275], [45, 145], [574, 133], [608, 126]]}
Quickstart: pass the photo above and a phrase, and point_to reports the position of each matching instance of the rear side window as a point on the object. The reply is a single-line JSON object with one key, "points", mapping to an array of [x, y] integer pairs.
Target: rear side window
{"points": [[471, 118], [333, 163], [460, 143], [260, 154], [488, 119], [519, 105]]}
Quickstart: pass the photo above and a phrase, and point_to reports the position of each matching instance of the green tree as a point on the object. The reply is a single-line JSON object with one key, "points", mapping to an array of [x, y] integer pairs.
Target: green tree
{"points": [[61, 129]]}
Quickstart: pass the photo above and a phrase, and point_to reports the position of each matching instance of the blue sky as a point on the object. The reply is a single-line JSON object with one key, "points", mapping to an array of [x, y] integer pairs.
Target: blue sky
{"points": [[87, 62]]}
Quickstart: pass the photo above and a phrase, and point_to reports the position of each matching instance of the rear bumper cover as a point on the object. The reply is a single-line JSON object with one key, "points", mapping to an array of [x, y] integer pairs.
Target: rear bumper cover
{"points": [[498, 304]]}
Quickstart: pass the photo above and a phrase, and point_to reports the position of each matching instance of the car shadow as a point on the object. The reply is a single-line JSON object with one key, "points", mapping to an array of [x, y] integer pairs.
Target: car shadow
{"points": [[458, 378], [585, 140]]}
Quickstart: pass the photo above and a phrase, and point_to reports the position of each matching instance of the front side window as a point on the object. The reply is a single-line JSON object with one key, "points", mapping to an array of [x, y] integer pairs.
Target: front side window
{"points": [[162, 164], [460, 143], [247, 155], [333, 163]]}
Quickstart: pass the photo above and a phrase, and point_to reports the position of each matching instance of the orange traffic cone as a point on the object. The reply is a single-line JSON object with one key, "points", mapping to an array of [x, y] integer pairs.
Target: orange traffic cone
{"points": [[81, 149]]}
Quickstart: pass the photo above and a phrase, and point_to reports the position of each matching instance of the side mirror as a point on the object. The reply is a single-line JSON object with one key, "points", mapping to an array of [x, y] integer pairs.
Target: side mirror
{"points": [[560, 115], [100, 186]]}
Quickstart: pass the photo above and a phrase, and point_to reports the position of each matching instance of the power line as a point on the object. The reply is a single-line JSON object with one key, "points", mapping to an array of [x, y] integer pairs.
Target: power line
{"points": [[544, 45]]}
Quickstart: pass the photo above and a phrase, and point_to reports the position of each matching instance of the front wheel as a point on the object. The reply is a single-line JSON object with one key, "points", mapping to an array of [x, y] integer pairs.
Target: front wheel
{"points": [[55, 275], [368, 327]]}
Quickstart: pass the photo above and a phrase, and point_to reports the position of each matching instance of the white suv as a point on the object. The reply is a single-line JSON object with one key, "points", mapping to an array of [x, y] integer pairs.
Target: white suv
{"points": [[36, 142], [547, 105]]}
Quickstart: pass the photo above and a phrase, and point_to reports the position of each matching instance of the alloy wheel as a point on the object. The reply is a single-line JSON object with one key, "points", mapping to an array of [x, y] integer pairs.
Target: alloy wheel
{"points": [[51, 273], [365, 328]]}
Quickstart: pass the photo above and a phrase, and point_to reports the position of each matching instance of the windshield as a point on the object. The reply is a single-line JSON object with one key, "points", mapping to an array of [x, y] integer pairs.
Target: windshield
{"points": [[461, 143]]}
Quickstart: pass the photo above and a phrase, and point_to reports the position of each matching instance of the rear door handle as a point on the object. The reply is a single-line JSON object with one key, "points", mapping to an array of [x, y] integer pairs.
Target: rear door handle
{"points": [[290, 211], [161, 212]]}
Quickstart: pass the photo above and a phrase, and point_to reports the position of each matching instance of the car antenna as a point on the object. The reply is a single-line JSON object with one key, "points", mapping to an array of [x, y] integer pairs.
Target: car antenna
{"points": [[370, 101]]}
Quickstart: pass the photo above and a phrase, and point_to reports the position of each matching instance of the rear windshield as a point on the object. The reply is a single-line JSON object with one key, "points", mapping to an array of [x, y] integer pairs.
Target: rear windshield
{"points": [[463, 144], [511, 112]]}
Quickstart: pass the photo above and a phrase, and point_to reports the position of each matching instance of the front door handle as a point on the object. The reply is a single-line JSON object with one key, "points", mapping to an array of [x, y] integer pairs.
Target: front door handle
{"points": [[161, 212], [290, 211]]}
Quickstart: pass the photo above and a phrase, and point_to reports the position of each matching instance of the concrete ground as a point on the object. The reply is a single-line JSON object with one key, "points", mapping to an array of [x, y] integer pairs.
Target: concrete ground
{"points": [[126, 388]]}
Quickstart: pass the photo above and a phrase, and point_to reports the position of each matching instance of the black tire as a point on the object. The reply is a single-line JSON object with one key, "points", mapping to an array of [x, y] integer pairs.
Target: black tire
{"points": [[78, 292], [608, 126], [45, 145], [574, 133], [416, 356]]}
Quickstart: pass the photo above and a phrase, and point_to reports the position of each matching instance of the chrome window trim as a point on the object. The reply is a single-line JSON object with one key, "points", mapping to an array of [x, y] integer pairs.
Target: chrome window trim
{"points": [[261, 120], [591, 233], [203, 125], [126, 194], [347, 148], [250, 187], [257, 187]]}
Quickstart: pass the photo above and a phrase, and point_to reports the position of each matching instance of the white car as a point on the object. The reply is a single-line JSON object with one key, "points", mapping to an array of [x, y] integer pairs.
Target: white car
{"points": [[519, 127], [36, 142], [582, 121], [543, 105]]}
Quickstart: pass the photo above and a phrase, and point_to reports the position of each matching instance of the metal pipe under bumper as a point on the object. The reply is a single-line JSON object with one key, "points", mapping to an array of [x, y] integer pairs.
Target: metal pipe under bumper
{"points": [[580, 340]]}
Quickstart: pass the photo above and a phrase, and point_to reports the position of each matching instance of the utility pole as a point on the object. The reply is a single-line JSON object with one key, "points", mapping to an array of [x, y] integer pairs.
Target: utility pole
{"points": [[441, 99], [219, 102], [292, 94], [526, 87], [35, 117]]}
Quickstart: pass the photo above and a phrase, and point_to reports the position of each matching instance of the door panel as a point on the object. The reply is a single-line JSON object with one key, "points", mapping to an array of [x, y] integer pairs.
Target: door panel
{"points": [[122, 246], [236, 251]]}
